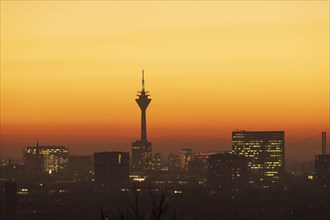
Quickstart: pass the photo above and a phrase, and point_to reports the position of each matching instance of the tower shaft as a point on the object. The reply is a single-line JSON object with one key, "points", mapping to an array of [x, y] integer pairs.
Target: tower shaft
{"points": [[143, 126]]}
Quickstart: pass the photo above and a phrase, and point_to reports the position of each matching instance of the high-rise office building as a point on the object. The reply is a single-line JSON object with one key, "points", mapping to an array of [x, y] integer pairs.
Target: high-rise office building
{"points": [[227, 171], [265, 153], [322, 165], [186, 158], [111, 170], [45, 159], [142, 149]]}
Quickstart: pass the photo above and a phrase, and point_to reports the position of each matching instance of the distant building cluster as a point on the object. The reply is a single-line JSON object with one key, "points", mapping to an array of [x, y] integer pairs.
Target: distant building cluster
{"points": [[45, 159], [256, 161]]}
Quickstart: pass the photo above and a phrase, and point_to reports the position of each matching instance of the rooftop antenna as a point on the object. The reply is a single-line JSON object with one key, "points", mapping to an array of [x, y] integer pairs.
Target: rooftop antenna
{"points": [[142, 80]]}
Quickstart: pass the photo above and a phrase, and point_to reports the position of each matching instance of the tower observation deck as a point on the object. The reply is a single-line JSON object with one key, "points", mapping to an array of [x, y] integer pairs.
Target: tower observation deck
{"points": [[142, 149]]}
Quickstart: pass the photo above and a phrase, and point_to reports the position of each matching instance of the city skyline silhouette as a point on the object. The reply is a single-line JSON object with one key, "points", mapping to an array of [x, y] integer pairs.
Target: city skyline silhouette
{"points": [[164, 110]]}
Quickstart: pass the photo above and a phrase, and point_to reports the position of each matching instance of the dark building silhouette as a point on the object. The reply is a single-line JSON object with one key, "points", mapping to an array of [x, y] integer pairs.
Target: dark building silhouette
{"points": [[13, 171], [111, 170], [80, 167], [142, 149], [227, 171], [322, 165], [45, 160], [8, 197], [265, 153], [174, 162], [200, 164]]}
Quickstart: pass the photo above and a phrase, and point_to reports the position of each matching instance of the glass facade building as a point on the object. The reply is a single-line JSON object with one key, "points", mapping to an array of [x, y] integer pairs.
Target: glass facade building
{"points": [[265, 153]]}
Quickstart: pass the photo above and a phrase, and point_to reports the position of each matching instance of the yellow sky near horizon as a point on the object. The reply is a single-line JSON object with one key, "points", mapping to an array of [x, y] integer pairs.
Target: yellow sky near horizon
{"points": [[211, 67]]}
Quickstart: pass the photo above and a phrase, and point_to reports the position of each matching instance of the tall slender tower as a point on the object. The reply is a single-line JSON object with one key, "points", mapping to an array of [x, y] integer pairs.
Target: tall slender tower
{"points": [[143, 102], [142, 149]]}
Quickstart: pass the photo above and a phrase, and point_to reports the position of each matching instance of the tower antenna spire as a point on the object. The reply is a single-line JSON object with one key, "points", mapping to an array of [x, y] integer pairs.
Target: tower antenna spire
{"points": [[143, 80]]}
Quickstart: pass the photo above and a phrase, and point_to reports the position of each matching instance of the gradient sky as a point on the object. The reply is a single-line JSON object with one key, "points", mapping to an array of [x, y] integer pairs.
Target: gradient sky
{"points": [[70, 72]]}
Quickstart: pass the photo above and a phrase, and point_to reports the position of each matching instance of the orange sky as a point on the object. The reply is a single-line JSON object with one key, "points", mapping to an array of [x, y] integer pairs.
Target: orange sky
{"points": [[70, 72]]}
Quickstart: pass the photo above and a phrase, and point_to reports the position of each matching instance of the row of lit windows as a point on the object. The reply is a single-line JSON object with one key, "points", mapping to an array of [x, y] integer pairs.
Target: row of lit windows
{"points": [[273, 163], [273, 172], [273, 150], [55, 151]]}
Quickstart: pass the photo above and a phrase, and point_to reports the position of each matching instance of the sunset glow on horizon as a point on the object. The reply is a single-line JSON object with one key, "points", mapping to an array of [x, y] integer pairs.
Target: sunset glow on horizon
{"points": [[70, 72]]}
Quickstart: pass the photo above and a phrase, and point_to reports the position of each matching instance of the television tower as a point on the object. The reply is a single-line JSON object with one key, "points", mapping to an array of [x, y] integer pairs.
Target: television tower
{"points": [[142, 149], [143, 102]]}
